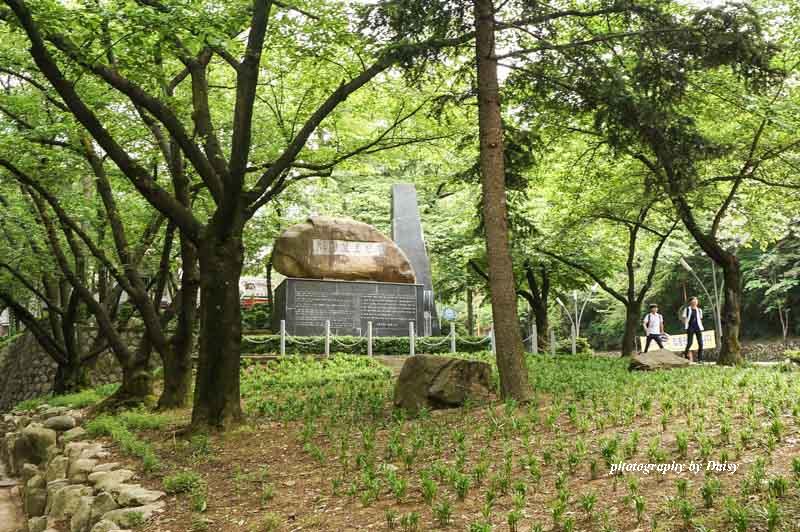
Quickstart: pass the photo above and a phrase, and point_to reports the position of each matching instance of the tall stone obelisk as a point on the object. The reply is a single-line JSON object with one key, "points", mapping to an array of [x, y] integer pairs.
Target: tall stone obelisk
{"points": [[407, 233]]}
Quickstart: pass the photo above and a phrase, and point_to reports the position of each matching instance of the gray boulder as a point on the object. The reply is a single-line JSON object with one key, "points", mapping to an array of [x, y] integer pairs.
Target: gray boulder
{"points": [[74, 434], [60, 423], [131, 517], [34, 502], [65, 501], [37, 524], [80, 469], [659, 359], [57, 469], [135, 495], [110, 480], [441, 382], [103, 503], [104, 526], [81, 519], [33, 444]]}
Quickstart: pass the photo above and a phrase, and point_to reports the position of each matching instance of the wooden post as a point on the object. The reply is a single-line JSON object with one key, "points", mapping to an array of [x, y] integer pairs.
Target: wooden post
{"points": [[283, 337], [552, 341], [534, 339], [369, 338], [452, 337], [327, 338], [411, 339]]}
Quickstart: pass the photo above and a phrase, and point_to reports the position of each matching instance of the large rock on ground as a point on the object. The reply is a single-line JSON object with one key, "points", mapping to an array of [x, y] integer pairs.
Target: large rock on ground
{"points": [[659, 359], [340, 248], [32, 446], [441, 382]]}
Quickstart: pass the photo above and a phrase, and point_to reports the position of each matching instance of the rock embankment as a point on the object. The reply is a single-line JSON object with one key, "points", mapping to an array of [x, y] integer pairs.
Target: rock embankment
{"points": [[66, 481]]}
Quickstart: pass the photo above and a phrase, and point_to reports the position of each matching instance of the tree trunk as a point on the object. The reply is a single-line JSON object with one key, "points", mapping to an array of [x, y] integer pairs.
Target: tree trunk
{"points": [[137, 380], [730, 352], [216, 394], [70, 378], [542, 328], [470, 313], [630, 338], [178, 365], [510, 351]]}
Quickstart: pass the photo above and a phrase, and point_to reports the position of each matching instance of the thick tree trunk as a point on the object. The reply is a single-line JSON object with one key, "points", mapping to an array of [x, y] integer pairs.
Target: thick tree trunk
{"points": [[70, 378], [630, 337], [730, 352], [136, 387], [216, 394], [510, 351], [542, 328], [178, 365]]}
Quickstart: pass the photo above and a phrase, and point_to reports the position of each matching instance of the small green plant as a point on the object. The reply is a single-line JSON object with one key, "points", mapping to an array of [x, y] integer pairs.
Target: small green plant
{"points": [[199, 497], [513, 519], [181, 482], [682, 442], [269, 522], [777, 487], [429, 489], [443, 513], [588, 502], [410, 522], [391, 518], [709, 490], [737, 515]]}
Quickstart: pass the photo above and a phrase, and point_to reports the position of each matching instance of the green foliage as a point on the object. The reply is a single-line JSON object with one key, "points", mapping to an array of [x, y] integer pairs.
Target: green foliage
{"points": [[582, 347], [381, 345], [80, 399], [181, 482], [257, 316], [117, 430]]}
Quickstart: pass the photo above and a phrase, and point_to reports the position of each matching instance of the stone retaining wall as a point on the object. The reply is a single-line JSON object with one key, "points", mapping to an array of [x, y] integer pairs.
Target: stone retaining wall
{"points": [[67, 483], [26, 371]]}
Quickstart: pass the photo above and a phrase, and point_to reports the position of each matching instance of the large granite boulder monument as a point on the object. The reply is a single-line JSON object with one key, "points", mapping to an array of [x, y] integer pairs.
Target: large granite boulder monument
{"points": [[324, 247]]}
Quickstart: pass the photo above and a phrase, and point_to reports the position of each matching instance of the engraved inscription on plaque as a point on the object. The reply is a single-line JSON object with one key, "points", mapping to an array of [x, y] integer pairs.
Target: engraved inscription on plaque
{"points": [[307, 304], [347, 248], [389, 311]]}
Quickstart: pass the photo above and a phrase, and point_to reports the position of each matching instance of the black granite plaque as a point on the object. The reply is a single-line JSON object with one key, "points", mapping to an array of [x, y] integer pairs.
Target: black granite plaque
{"points": [[306, 304]]}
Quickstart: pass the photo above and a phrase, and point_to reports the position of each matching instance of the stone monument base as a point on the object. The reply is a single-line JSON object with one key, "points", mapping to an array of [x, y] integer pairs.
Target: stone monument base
{"points": [[306, 304]]}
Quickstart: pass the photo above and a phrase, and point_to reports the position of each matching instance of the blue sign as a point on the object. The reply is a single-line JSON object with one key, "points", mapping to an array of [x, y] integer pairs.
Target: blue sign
{"points": [[449, 314]]}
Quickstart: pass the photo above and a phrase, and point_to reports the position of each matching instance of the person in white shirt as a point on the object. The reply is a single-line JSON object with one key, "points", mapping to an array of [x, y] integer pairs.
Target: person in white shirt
{"points": [[693, 323], [653, 327]]}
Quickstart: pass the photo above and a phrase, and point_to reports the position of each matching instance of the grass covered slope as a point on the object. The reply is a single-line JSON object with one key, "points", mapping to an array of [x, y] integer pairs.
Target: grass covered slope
{"points": [[324, 450]]}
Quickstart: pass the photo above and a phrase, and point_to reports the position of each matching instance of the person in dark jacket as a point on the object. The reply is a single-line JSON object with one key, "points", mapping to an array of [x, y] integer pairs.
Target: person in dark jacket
{"points": [[693, 323]]}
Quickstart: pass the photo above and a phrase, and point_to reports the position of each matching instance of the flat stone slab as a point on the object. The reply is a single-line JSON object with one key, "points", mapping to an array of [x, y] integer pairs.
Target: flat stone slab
{"points": [[659, 359]]}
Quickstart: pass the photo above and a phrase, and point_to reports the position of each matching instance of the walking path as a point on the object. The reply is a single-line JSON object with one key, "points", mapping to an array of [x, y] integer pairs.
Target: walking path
{"points": [[10, 513]]}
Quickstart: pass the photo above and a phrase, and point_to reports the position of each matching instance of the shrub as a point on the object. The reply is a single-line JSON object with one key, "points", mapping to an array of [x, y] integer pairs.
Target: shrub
{"points": [[381, 345], [181, 482], [582, 347]]}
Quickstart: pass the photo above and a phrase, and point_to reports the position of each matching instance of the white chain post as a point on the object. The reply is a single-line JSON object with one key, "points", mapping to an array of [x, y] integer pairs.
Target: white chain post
{"points": [[494, 345], [534, 339], [369, 338], [572, 335], [452, 337], [411, 339], [553, 342], [327, 338], [283, 338]]}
